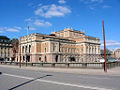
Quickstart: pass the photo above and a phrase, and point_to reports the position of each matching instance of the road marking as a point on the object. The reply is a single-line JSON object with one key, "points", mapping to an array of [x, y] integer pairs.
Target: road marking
{"points": [[93, 77], [56, 82]]}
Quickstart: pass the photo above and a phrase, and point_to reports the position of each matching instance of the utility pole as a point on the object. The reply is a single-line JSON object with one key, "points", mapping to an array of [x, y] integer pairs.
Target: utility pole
{"points": [[20, 54], [27, 47], [105, 66]]}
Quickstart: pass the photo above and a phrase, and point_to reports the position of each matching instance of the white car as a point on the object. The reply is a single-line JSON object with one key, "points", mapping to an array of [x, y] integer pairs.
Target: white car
{"points": [[101, 60]]}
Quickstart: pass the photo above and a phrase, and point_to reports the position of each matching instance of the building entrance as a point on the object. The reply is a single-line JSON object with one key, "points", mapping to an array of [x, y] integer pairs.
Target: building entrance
{"points": [[28, 58], [72, 59], [56, 58]]}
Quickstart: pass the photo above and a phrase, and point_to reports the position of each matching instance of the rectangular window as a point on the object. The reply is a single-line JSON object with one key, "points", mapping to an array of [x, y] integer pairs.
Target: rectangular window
{"points": [[8, 52], [54, 47], [5, 52], [82, 51], [45, 50], [71, 50], [78, 50], [75, 50], [68, 50]]}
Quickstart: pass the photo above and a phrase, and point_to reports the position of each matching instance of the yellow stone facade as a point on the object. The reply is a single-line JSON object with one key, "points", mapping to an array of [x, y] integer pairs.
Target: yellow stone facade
{"points": [[67, 45]]}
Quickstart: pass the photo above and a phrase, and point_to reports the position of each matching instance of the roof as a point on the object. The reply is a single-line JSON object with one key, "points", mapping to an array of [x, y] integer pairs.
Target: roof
{"points": [[4, 37], [91, 37], [73, 30], [117, 50]]}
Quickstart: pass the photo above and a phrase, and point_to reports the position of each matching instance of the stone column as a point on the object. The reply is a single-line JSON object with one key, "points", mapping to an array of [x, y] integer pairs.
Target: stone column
{"points": [[88, 49], [59, 58], [91, 50], [98, 49], [84, 49]]}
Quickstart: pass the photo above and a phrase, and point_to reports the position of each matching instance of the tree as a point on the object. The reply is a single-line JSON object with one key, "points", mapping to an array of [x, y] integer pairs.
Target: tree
{"points": [[15, 45]]}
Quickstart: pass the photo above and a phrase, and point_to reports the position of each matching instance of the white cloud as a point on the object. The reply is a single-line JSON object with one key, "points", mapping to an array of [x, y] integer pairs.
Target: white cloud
{"points": [[34, 5], [53, 10], [29, 19], [33, 22], [91, 1], [1, 30], [12, 30], [111, 43], [92, 4], [19, 28], [107, 6], [62, 1], [42, 23], [96, 1], [91, 8]]}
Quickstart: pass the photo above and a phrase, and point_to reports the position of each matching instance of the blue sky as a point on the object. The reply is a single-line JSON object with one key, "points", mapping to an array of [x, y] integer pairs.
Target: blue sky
{"points": [[45, 16]]}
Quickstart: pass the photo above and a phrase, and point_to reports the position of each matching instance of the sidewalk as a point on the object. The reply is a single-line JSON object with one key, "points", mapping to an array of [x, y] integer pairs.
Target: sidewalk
{"points": [[110, 72]]}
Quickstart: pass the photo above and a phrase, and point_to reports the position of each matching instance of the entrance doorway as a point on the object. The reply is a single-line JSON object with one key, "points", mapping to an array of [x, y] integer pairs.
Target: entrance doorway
{"points": [[72, 59], [56, 58], [28, 58], [45, 59]]}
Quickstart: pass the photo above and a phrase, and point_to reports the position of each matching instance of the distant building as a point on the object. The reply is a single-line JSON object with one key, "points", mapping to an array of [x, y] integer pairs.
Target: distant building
{"points": [[68, 45], [109, 53], [5, 48], [117, 53]]}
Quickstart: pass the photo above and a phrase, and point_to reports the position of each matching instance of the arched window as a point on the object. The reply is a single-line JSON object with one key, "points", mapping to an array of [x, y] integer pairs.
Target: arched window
{"points": [[45, 59], [26, 49], [45, 50], [39, 58], [89, 50], [56, 58], [23, 49], [29, 48]]}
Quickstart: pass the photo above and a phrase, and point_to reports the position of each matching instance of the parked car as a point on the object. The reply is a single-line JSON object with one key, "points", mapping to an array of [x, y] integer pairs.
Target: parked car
{"points": [[101, 60], [109, 59], [2, 59]]}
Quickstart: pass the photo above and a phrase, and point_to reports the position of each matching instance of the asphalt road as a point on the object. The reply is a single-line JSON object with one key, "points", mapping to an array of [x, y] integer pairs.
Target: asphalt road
{"points": [[22, 79]]}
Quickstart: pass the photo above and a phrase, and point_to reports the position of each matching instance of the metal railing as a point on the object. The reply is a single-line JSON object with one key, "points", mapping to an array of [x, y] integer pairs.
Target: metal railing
{"points": [[97, 65]]}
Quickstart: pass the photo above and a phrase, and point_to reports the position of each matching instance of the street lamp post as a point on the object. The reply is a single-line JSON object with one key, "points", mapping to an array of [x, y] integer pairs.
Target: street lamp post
{"points": [[105, 66], [27, 47], [20, 54]]}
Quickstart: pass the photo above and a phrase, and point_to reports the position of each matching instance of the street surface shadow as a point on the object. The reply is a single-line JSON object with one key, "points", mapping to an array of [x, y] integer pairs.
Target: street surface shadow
{"points": [[29, 82], [0, 73]]}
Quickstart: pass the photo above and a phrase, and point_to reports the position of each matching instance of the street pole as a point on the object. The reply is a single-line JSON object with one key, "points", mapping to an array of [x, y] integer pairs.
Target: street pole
{"points": [[27, 47], [105, 66], [20, 54]]}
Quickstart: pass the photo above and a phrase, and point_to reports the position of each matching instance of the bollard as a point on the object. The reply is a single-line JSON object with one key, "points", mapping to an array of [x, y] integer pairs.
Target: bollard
{"points": [[84, 65]]}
